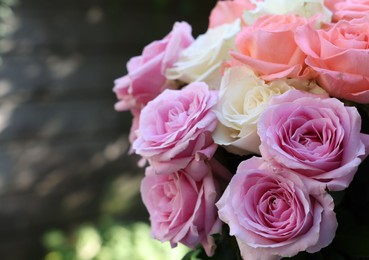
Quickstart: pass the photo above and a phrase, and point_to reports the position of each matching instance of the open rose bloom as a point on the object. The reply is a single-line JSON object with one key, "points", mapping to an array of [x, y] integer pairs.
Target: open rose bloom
{"points": [[182, 209], [273, 214], [257, 48], [316, 136], [175, 129], [338, 54], [254, 134]]}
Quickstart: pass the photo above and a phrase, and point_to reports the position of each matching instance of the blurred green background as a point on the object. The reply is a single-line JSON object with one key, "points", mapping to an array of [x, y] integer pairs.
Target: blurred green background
{"points": [[68, 188]]}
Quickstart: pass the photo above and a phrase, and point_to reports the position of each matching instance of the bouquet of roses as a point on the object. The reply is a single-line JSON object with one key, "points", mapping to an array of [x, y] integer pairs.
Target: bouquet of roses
{"points": [[252, 134]]}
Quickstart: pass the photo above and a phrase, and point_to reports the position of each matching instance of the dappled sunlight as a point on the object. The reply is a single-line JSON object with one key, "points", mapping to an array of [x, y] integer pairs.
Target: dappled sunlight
{"points": [[120, 198], [5, 87], [51, 182], [116, 149], [52, 127], [111, 152], [61, 67], [75, 200], [24, 164], [7, 107]]}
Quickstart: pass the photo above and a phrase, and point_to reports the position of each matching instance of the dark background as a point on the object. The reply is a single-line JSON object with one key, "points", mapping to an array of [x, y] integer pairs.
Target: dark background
{"points": [[63, 148]]}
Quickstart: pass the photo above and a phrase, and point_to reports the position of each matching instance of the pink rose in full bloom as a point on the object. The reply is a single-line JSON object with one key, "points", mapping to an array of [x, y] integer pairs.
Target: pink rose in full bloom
{"points": [[176, 128], [315, 136], [182, 209], [146, 73], [351, 9], [228, 11], [272, 214], [269, 47], [340, 56]]}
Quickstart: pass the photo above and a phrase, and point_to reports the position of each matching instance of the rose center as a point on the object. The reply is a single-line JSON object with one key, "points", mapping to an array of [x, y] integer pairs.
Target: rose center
{"points": [[310, 140], [170, 190], [275, 209], [176, 119]]}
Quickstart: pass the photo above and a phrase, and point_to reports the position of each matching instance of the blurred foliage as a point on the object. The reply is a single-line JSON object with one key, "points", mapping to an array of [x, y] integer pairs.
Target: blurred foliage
{"points": [[5, 13], [122, 196], [108, 240], [227, 248]]}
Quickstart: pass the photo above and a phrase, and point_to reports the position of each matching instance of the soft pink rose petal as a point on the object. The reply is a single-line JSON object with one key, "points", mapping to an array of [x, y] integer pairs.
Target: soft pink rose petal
{"points": [[146, 73], [228, 11]]}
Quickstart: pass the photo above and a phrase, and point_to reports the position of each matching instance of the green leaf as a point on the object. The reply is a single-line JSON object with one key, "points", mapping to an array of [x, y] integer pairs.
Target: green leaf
{"points": [[227, 248], [54, 239], [192, 255]]}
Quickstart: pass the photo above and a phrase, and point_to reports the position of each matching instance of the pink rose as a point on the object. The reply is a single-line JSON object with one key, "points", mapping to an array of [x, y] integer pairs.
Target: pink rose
{"points": [[269, 47], [317, 137], [330, 4], [228, 11], [339, 54], [272, 214], [176, 127], [182, 209], [351, 9], [146, 73]]}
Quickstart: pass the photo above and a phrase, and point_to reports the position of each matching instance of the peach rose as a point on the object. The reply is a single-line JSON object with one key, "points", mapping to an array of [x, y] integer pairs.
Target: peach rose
{"points": [[339, 54], [269, 47], [351, 9], [228, 11], [330, 4]]}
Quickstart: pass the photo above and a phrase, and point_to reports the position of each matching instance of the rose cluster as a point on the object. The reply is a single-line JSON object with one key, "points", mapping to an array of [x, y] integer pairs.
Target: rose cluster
{"points": [[275, 83]]}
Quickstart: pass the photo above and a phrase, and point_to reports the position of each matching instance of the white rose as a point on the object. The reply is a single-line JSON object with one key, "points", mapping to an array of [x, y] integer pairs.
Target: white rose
{"points": [[243, 97], [202, 60], [304, 8]]}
